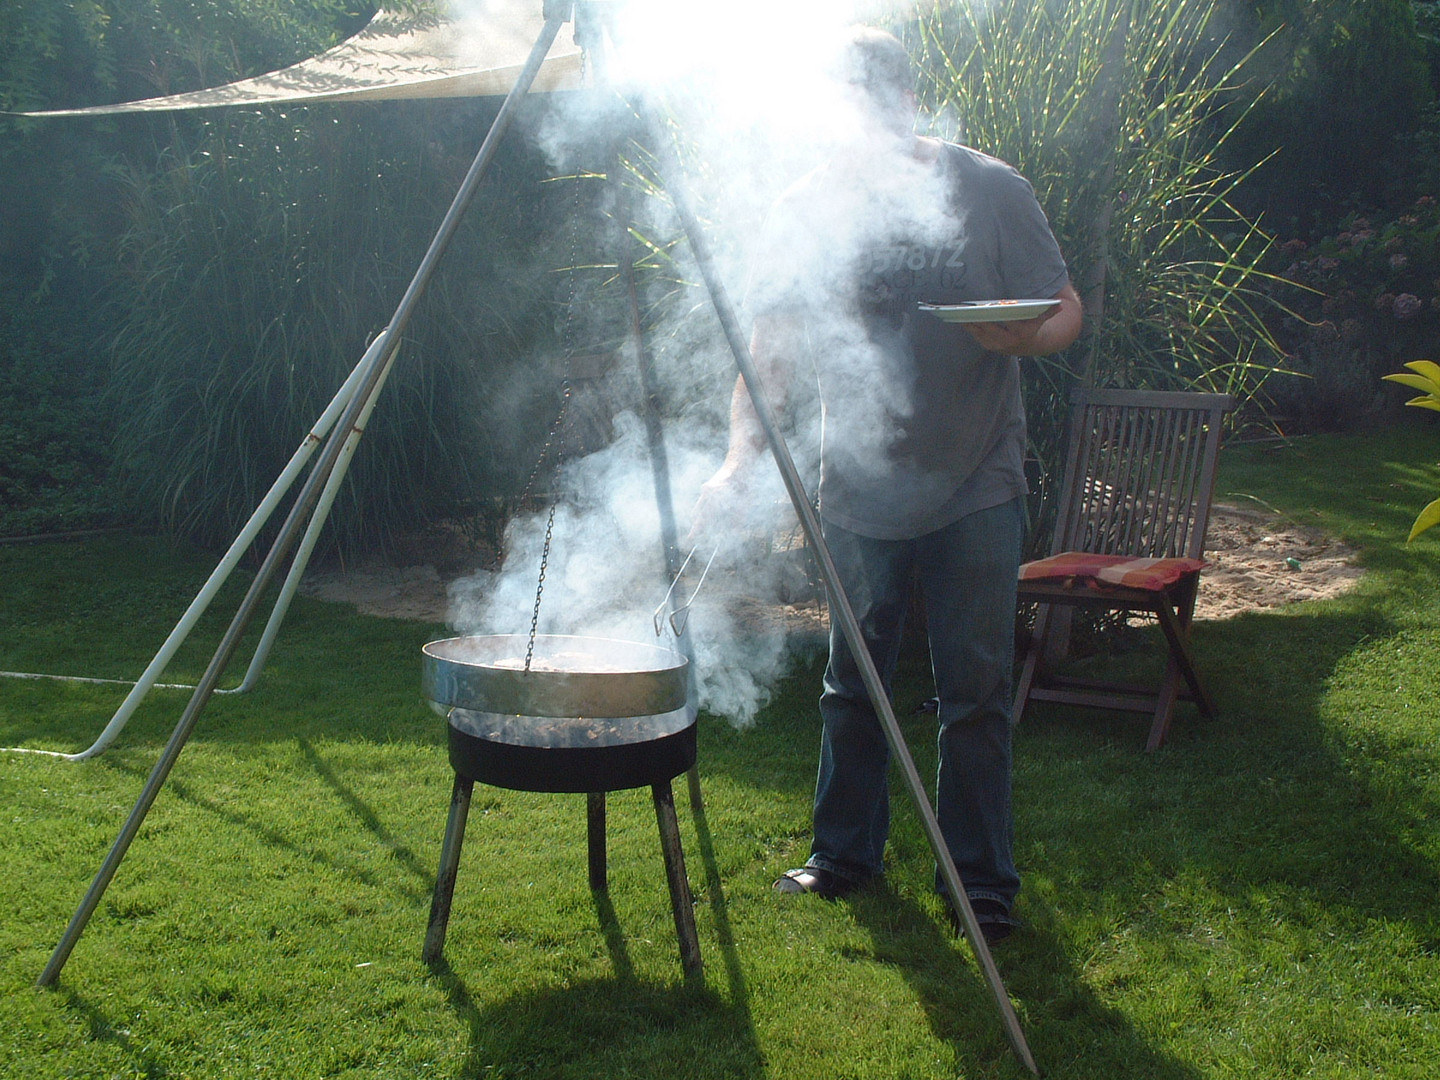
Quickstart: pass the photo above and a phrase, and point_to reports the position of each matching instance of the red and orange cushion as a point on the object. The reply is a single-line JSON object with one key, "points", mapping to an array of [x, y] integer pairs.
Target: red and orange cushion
{"points": [[1084, 568]]}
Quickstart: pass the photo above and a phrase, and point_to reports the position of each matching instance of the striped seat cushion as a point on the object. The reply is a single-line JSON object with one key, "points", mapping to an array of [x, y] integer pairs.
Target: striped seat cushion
{"points": [[1080, 567]]}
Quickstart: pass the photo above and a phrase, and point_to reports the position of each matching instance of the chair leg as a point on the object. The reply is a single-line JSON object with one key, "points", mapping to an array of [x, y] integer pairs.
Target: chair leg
{"points": [[1180, 663], [1164, 706], [449, 868], [1030, 669], [1177, 634], [680, 898]]}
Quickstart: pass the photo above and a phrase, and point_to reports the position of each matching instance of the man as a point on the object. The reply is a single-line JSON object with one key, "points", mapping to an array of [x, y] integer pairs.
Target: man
{"points": [[922, 447]]}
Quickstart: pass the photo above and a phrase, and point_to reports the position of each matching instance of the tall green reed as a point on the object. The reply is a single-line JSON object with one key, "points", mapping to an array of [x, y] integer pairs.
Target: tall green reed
{"points": [[262, 253], [1116, 111]]}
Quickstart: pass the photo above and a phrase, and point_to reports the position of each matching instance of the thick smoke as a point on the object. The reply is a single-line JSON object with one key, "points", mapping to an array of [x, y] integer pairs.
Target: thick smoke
{"points": [[752, 90], [605, 574]]}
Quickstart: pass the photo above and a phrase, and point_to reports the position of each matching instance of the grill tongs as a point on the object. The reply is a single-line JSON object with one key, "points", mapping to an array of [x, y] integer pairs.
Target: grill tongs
{"points": [[680, 614]]}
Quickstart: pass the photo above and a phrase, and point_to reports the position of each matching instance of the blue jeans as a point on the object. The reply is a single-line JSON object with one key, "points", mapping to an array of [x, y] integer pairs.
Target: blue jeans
{"points": [[966, 572]]}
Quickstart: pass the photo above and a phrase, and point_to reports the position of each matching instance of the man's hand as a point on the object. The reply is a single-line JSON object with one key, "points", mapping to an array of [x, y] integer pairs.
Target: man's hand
{"points": [[720, 503], [1048, 332], [724, 498]]}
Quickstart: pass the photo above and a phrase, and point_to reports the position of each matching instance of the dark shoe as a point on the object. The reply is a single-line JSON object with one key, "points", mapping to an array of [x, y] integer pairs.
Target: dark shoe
{"points": [[817, 880], [996, 922]]}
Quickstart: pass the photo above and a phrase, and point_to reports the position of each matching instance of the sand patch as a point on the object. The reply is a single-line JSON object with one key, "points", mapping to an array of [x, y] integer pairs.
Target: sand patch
{"points": [[1257, 560], [1260, 560]]}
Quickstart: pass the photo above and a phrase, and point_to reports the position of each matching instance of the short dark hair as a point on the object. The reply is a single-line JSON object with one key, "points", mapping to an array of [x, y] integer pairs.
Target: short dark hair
{"points": [[877, 62]]}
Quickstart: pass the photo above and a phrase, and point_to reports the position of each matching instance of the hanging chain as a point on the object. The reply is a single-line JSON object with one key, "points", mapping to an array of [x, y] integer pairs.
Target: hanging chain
{"points": [[549, 532], [539, 589], [556, 436]]}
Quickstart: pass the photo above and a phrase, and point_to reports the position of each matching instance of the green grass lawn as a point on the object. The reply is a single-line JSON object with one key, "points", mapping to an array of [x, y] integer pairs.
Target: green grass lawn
{"points": [[1258, 899]]}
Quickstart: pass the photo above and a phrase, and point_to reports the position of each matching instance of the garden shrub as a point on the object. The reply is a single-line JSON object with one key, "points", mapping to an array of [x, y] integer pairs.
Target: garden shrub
{"points": [[1371, 301], [1335, 85]]}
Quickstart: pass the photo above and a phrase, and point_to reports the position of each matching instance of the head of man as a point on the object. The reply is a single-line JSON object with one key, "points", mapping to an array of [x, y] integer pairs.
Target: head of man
{"points": [[876, 79]]}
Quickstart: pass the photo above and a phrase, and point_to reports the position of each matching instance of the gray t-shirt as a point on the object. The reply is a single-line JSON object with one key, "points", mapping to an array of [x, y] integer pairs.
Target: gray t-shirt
{"points": [[920, 424]]}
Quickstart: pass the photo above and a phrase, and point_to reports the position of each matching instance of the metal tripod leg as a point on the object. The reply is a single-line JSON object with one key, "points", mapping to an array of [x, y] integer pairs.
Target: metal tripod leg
{"points": [[305, 502], [841, 610], [449, 868]]}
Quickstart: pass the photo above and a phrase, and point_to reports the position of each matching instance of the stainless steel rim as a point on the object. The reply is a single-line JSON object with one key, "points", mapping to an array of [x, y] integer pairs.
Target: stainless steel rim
{"points": [[569, 676]]}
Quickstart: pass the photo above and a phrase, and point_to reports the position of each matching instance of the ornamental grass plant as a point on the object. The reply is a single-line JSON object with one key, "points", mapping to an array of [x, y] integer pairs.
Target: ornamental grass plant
{"points": [[1118, 113], [263, 252]]}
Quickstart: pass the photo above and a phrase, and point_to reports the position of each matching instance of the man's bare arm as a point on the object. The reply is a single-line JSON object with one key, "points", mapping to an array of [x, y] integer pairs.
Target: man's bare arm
{"points": [[774, 344]]}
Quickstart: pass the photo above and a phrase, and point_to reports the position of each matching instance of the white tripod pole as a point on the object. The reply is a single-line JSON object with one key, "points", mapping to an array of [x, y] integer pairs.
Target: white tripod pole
{"points": [[224, 569], [312, 535], [840, 609]]}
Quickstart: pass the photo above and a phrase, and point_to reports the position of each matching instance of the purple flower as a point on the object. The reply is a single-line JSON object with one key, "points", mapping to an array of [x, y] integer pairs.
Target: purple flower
{"points": [[1407, 306], [1399, 260]]}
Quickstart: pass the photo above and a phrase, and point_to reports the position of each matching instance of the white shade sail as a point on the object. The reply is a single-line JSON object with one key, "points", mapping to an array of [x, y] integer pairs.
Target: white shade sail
{"points": [[397, 56]]}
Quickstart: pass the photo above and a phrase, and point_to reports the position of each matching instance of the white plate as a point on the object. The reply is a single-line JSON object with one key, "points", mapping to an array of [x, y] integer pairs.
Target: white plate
{"points": [[974, 311]]}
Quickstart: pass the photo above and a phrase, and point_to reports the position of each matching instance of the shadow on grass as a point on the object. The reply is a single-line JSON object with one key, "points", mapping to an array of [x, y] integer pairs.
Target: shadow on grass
{"points": [[658, 1022], [140, 1060], [1278, 813], [1277, 795], [604, 1027], [273, 836], [621, 1025], [365, 814], [1069, 1030]]}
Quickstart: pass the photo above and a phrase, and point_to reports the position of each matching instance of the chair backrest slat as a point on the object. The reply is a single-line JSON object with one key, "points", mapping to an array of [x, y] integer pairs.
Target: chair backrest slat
{"points": [[1173, 491], [1140, 472], [1169, 480], [1148, 466]]}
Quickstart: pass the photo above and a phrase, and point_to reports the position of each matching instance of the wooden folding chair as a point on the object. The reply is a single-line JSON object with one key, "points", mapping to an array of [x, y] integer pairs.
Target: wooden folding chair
{"points": [[1134, 505]]}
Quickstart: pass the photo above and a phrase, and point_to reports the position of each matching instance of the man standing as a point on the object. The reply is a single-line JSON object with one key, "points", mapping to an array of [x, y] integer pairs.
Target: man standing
{"points": [[923, 441]]}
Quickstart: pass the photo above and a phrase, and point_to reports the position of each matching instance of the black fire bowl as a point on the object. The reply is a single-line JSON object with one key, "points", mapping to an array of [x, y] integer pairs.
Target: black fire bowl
{"points": [[613, 767]]}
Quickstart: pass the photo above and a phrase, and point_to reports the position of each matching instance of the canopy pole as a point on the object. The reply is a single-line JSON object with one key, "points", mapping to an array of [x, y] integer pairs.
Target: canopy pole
{"points": [[372, 372], [660, 469], [311, 538], [674, 182]]}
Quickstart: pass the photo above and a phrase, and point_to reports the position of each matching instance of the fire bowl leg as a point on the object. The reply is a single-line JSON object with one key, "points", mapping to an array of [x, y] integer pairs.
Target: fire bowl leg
{"points": [[680, 899], [449, 867], [595, 834]]}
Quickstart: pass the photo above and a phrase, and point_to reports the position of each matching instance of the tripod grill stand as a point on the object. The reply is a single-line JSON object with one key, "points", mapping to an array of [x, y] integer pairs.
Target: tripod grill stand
{"points": [[368, 379]]}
